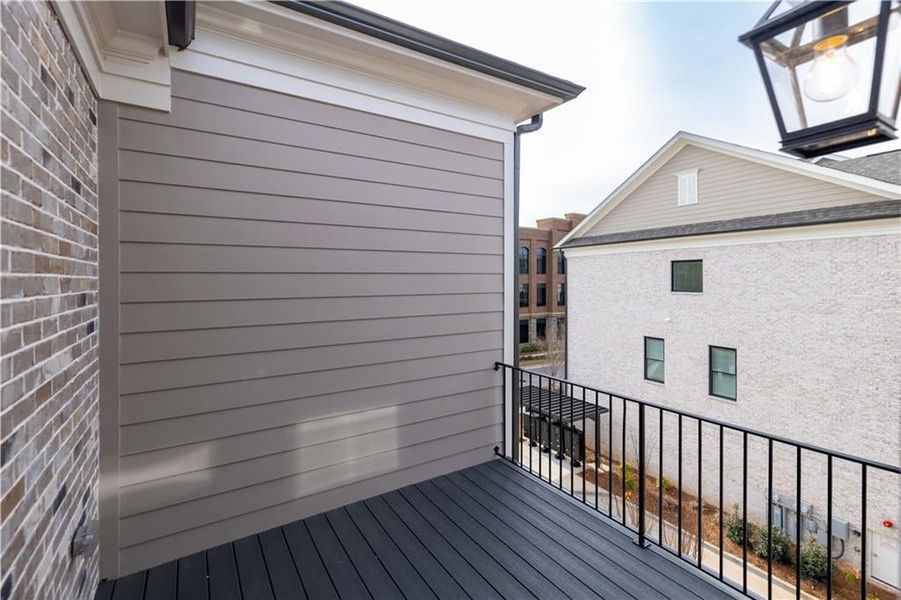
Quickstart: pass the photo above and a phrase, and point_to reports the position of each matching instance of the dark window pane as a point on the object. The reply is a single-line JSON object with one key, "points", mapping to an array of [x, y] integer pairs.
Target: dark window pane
{"points": [[723, 378], [523, 331], [687, 276], [523, 294], [561, 294], [561, 263], [541, 328], [541, 261], [654, 365], [541, 300], [524, 260]]}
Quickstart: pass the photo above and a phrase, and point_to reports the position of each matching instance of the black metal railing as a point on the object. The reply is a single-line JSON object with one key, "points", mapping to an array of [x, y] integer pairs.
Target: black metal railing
{"points": [[549, 438]]}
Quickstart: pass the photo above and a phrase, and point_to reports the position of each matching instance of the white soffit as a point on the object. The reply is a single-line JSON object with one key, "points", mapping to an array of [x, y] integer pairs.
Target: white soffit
{"points": [[124, 49]]}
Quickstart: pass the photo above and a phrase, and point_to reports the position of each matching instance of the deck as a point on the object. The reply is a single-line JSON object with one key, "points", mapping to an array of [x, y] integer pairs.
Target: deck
{"points": [[490, 531]]}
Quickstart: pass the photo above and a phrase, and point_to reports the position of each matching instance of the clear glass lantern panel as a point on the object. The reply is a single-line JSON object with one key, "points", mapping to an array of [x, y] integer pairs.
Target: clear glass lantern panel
{"points": [[890, 87], [822, 72]]}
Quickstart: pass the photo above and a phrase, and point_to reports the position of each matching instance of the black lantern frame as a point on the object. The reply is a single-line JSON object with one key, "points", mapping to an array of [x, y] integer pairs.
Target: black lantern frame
{"points": [[868, 127]]}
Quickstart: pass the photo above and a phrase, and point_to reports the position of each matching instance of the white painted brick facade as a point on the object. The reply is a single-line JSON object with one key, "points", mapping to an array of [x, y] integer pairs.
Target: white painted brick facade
{"points": [[816, 326]]}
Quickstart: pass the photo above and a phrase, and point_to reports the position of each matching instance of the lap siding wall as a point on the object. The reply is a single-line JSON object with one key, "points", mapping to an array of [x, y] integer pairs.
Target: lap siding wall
{"points": [[310, 305]]}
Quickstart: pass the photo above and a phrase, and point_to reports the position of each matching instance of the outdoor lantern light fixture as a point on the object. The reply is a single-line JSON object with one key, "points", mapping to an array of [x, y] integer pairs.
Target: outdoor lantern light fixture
{"points": [[832, 72]]}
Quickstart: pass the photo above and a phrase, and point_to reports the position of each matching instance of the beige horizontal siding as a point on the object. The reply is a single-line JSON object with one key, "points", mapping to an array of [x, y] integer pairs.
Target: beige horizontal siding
{"points": [[311, 304], [175, 200], [728, 188], [166, 404]]}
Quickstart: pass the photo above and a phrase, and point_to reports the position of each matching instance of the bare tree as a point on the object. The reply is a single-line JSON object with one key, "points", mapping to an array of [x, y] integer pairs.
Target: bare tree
{"points": [[554, 347]]}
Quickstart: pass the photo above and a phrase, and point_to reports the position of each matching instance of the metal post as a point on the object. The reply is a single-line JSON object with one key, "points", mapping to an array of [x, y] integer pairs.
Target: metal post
{"points": [[641, 476]]}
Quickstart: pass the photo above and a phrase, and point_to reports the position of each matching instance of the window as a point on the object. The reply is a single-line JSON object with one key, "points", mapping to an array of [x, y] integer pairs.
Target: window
{"points": [[541, 328], [541, 261], [523, 294], [541, 291], [722, 372], [523, 260], [561, 263], [653, 359], [687, 276], [687, 188], [561, 294], [523, 331]]}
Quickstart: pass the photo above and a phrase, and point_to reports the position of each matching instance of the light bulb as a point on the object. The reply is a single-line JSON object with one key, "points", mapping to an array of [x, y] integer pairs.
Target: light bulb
{"points": [[833, 73]]}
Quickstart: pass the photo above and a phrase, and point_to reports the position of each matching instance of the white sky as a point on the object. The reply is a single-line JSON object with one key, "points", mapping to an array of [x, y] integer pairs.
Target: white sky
{"points": [[650, 69]]}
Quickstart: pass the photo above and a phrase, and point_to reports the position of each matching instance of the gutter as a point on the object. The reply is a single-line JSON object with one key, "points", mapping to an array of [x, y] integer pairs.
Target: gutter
{"points": [[533, 125]]}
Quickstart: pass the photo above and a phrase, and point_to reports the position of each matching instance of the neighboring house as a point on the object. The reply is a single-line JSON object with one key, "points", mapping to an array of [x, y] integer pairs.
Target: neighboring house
{"points": [[248, 279], [759, 290], [542, 278]]}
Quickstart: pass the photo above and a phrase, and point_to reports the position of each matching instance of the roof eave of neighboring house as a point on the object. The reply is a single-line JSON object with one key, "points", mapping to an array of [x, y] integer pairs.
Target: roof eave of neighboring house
{"points": [[682, 139], [884, 209]]}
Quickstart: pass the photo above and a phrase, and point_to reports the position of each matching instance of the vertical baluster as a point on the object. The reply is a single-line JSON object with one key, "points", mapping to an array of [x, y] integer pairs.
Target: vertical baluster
{"points": [[531, 417], [560, 436], [610, 456], [679, 501], [623, 461], [597, 443], [700, 539], [720, 519], [642, 471], [572, 442], [504, 409], [863, 532], [582, 453], [798, 520], [829, 527], [769, 520], [744, 513], [660, 487], [540, 419]]}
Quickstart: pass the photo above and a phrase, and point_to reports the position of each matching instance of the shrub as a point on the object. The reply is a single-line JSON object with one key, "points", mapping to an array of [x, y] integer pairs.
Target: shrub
{"points": [[735, 527], [530, 348], [631, 482], [780, 544], [813, 561]]}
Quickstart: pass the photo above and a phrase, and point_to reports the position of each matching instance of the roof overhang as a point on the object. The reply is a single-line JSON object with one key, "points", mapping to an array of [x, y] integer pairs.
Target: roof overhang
{"points": [[125, 49], [682, 139]]}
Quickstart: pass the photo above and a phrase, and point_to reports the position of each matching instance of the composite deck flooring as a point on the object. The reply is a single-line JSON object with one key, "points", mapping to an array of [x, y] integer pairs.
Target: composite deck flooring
{"points": [[490, 531]]}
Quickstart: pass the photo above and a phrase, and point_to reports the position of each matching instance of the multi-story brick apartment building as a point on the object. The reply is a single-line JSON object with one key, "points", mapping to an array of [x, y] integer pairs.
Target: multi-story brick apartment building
{"points": [[542, 277]]}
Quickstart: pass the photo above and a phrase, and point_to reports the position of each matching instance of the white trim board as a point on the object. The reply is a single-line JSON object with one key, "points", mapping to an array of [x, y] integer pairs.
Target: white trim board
{"points": [[682, 139], [802, 233]]}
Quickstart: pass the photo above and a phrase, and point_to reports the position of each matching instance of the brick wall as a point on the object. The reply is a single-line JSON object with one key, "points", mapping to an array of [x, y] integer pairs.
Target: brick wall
{"points": [[816, 328], [49, 419]]}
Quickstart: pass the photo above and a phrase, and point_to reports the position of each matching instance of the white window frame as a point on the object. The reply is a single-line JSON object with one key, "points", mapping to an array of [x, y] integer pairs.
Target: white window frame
{"points": [[687, 187]]}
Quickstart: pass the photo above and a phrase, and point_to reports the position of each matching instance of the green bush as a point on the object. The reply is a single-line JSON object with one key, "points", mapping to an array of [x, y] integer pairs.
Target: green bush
{"points": [[814, 564], [530, 348], [735, 527], [780, 544], [631, 478]]}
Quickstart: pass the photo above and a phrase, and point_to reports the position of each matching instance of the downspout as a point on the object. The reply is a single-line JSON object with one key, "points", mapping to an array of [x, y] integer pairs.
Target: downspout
{"points": [[533, 125]]}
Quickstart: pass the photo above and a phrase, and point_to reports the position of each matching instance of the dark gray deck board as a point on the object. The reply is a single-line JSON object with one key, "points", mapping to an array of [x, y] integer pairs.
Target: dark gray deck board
{"points": [[252, 571], [161, 582], [192, 577], [461, 571], [313, 574], [341, 570], [405, 576], [654, 567], [223, 573], [282, 572], [490, 531]]}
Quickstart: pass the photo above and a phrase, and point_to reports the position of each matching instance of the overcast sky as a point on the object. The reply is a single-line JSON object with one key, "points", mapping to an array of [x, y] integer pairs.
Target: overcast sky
{"points": [[650, 69]]}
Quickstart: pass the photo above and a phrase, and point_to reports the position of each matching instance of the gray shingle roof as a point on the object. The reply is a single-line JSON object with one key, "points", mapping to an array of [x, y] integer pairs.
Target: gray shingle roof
{"points": [[884, 167], [819, 216]]}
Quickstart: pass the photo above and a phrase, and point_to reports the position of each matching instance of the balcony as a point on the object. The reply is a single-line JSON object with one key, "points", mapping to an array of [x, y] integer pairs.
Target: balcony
{"points": [[490, 531], [564, 511]]}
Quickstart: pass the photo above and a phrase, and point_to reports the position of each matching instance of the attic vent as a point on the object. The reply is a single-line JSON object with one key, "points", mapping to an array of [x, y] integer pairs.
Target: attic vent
{"points": [[687, 187]]}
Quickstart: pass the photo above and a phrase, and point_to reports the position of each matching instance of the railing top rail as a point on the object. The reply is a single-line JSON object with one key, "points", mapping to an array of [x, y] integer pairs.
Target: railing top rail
{"points": [[770, 436]]}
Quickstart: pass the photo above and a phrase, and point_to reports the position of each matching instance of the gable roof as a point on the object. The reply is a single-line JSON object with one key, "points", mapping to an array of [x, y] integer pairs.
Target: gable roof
{"points": [[885, 166], [682, 139]]}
